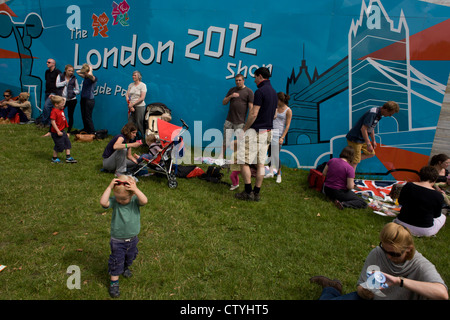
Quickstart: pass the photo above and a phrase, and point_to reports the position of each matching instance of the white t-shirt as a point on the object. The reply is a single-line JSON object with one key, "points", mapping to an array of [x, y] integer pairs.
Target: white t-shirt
{"points": [[134, 92]]}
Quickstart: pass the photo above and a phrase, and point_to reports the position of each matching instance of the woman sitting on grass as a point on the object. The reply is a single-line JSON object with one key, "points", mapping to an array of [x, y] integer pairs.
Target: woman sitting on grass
{"points": [[408, 274], [421, 205], [340, 180], [441, 163], [117, 155]]}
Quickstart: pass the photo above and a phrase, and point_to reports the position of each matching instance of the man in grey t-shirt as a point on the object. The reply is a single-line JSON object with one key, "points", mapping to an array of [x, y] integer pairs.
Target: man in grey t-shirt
{"points": [[240, 98]]}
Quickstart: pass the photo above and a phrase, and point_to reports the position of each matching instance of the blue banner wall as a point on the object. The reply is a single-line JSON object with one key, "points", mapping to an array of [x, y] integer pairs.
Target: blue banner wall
{"points": [[336, 59]]}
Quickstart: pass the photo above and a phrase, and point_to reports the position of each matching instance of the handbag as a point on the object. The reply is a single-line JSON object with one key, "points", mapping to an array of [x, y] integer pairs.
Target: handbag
{"points": [[84, 137]]}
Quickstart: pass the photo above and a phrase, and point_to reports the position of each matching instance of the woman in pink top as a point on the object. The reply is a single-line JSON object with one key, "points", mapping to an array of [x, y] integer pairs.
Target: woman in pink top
{"points": [[339, 181]]}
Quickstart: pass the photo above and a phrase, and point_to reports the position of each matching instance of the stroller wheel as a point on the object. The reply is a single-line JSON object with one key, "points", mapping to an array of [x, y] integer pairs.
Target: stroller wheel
{"points": [[172, 183]]}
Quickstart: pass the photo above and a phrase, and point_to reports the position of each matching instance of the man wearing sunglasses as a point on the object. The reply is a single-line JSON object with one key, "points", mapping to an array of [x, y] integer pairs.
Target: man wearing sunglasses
{"points": [[408, 274], [50, 89]]}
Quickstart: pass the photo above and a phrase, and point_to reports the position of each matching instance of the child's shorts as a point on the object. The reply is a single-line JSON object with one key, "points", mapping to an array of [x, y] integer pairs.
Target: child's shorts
{"points": [[359, 147], [61, 142], [123, 253]]}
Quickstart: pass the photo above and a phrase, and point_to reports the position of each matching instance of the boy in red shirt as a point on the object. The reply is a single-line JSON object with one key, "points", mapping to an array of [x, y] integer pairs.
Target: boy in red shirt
{"points": [[58, 124]]}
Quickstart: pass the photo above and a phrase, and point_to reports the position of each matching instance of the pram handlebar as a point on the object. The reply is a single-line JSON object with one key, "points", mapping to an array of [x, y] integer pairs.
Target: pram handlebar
{"points": [[184, 124]]}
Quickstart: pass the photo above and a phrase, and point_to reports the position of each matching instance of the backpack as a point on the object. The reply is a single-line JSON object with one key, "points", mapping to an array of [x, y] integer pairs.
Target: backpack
{"points": [[101, 134], [316, 179], [212, 174]]}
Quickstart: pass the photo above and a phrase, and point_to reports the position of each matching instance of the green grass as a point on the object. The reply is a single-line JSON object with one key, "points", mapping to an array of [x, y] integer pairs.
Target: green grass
{"points": [[196, 241]]}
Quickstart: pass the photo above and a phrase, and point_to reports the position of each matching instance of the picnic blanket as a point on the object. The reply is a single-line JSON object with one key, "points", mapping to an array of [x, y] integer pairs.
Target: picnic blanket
{"points": [[378, 195]]}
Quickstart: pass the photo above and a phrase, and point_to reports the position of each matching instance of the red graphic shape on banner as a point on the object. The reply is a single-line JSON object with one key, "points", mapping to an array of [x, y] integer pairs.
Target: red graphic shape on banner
{"points": [[7, 54], [396, 158], [430, 44], [5, 7]]}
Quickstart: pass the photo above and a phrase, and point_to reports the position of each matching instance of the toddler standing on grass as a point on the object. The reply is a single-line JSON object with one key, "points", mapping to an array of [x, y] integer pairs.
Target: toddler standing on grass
{"points": [[125, 226], [58, 124], [235, 168]]}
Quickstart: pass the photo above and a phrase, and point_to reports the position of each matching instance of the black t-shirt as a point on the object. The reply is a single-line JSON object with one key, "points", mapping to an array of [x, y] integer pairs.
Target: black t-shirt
{"points": [[266, 98], [420, 205], [443, 178]]}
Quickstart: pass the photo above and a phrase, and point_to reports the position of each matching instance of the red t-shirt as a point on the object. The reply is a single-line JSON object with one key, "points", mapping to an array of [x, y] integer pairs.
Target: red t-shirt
{"points": [[60, 119]]}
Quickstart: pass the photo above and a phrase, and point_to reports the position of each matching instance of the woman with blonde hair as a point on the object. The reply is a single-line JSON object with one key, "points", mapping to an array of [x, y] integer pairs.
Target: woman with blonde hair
{"points": [[68, 87], [407, 273], [87, 101]]}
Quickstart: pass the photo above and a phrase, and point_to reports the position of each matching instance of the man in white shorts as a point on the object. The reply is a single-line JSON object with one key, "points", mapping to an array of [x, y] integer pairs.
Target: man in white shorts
{"points": [[252, 148]]}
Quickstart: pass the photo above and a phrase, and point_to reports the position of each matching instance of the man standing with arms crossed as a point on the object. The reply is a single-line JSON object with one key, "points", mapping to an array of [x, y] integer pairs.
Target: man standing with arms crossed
{"points": [[257, 134], [50, 89], [240, 98]]}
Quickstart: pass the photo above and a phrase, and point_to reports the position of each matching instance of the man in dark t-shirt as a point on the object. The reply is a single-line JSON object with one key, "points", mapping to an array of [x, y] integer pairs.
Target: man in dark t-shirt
{"points": [[362, 137], [252, 148]]}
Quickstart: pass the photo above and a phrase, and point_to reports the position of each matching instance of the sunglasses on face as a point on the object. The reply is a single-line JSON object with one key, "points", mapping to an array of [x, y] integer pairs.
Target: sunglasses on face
{"points": [[6, 95], [118, 183], [392, 254]]}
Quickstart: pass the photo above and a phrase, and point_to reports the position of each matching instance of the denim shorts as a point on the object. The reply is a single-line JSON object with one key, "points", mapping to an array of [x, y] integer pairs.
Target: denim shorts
{"points": [[123, 253]]}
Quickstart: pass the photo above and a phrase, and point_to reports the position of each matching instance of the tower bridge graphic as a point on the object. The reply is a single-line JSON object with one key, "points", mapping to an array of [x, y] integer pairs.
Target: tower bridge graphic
{"points": [[307, 93], [377, 69]]}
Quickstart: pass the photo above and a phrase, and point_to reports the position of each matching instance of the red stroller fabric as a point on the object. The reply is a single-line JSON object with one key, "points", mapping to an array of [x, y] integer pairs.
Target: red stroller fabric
{"points": [[167, 132]]}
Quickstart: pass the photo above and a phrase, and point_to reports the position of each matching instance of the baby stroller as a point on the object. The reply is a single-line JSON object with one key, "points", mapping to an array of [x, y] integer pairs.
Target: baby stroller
{"points": [[171, 144], [155, 111]]}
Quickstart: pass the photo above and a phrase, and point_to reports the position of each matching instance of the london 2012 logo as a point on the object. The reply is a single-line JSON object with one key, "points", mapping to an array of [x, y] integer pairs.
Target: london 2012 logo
{"points": [[100, 22]]}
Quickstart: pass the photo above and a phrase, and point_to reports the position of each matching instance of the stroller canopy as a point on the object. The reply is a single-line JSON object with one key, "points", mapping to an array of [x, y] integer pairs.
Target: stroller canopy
{"points": [[167, 132]]}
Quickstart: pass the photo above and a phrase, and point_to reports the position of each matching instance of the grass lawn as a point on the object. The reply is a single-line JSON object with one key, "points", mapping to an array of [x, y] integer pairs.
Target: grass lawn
{"points": [[196, 241]]}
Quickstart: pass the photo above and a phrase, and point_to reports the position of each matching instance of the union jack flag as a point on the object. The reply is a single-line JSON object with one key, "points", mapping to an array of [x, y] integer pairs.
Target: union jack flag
{"points": [[375, 188]]}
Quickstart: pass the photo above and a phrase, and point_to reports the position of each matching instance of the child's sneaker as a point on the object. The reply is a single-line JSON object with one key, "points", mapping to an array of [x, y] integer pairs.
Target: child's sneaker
{"points": [[71, 160], [114, 290], [127, 273], [56, 160], [234, 187], [279, 178]]}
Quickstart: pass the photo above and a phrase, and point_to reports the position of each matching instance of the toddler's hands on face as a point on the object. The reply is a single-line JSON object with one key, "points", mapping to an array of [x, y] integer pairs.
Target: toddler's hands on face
{"points": [[131, 185]]}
